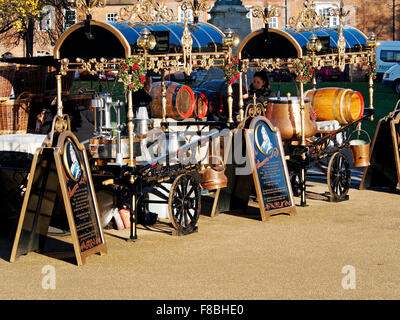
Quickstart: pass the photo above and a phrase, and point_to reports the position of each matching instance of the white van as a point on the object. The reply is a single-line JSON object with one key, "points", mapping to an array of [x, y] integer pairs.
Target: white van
{"points": [[387, 54], [391, 78]]}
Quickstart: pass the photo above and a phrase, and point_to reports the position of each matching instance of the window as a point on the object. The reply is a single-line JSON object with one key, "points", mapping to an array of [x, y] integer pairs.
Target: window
{"points": [[390, 55], [69, 17], [112, 16], [181, 15], [273, 22], [47, 18], [323, 10], [40, 53], [258, 23]]}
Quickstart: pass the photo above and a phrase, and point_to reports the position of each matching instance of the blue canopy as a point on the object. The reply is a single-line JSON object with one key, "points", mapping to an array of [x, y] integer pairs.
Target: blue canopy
{"points": [[96, 39], [206, 37], [286, 43], [355, 39]]}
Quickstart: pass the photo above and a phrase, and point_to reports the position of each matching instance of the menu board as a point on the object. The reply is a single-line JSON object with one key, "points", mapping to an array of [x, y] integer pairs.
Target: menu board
{"points": [[270, 174], [79, 195], [384, 168], [82, 206]]}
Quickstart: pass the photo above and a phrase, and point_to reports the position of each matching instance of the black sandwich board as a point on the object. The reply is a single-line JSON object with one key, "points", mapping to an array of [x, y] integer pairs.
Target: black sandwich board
{"points": [[269, 173], [63, 167], [384, 168]]}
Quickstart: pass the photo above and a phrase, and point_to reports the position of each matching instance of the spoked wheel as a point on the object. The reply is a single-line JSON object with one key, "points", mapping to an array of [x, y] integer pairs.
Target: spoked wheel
{"points": [[184, 203], [339, 176]]}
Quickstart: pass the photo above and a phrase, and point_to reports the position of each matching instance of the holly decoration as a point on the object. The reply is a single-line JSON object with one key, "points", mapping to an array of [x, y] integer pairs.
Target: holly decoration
{"points": [[372, 67], [303, 69], [135, 67], [231, 71]]}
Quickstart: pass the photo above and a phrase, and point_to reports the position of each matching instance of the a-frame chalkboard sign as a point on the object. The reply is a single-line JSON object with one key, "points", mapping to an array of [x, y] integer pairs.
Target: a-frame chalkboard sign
{"points": [[62, 165], [270, 173], [384, 169]]}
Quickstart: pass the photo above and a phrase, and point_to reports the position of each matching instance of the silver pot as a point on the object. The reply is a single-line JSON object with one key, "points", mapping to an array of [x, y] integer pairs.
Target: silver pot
{"points": [[142, 126]]}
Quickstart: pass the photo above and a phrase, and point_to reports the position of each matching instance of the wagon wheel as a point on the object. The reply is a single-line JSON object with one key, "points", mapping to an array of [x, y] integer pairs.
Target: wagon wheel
{"points": [[184, 203], [339, 176]]}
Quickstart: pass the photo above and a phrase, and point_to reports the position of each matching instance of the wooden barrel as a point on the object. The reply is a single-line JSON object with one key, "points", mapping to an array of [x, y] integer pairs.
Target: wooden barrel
{"points": [[180, 100], [343, 105], [201, 107]]}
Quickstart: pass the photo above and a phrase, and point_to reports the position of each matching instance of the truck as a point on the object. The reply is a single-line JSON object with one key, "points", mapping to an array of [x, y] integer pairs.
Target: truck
{"points": [[387, 55], [391, 78]]}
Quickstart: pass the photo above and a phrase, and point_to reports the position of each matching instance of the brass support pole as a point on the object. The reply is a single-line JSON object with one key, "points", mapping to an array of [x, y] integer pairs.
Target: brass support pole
{"points": [[314, 78], [371, 95], [303, 202], [59, 96], [303, 143], [241, 103], [230, 103], [133, 219], [130, 127], [163, 97], [302, 111]]}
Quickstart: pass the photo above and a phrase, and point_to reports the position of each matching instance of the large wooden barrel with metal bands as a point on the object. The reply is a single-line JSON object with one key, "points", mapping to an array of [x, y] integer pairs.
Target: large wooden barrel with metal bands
{"points": [[343, 105], [180, 101]]}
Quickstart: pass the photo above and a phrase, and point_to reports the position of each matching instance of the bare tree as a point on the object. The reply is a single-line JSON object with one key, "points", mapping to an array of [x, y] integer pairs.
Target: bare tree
{"points": [[372, 17]]}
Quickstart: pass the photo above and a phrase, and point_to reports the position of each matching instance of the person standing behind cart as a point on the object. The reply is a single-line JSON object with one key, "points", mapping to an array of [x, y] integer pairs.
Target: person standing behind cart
{"points": [[259, 87], [142, 99]]}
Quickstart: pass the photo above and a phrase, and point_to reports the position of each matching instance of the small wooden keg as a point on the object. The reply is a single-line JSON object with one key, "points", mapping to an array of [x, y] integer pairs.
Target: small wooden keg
{"points": [[343, 105]]}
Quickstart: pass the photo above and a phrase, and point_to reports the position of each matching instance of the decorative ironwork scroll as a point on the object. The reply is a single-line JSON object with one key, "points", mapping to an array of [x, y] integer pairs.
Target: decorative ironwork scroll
{"points": [[265, 14], [187, 43], [341, 13], [88, 6], [195, 6], [308, 19], [148, 11]]}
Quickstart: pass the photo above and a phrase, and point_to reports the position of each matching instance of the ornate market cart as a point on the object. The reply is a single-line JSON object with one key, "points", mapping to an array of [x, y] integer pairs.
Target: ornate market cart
{"points": [[307, 44]]}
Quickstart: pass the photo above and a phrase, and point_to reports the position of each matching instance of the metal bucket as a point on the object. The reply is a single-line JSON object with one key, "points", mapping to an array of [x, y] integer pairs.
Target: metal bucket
{"points": [[360, 150], [142, 126]]}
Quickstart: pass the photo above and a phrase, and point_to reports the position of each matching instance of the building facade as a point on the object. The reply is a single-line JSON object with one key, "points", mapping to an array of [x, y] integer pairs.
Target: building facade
{"points": [[377, 16]]}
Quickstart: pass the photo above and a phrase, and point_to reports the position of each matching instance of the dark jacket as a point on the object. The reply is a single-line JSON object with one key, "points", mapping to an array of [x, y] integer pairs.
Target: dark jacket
{"points": [[262, 95]]}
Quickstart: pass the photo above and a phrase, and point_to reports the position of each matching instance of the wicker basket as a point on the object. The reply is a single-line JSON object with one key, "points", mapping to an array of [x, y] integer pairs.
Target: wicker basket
{"points": [[14, 114], [7, 73], [30, 79]]}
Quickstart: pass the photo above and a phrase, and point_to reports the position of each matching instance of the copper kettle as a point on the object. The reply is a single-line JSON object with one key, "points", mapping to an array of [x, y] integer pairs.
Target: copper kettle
{"points": [[213, 176]]}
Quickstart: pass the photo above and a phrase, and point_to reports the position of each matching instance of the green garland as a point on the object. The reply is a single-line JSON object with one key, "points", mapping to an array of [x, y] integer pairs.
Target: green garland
{"points": [[303, 69], [231, 71], [135, 67], [372, 67]]}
